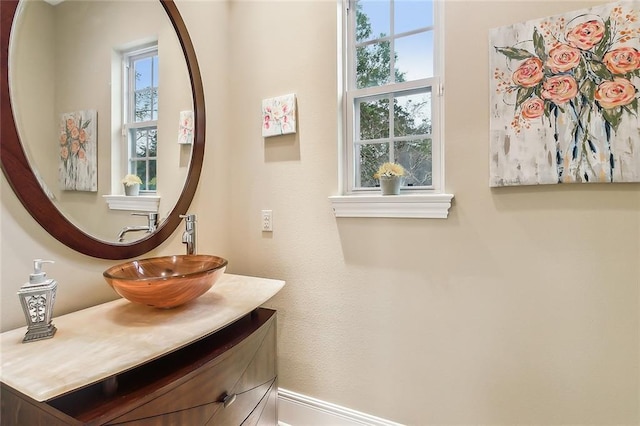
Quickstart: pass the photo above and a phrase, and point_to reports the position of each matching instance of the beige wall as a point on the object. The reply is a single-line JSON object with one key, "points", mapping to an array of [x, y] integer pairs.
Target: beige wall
{"points": [[522, 307]]}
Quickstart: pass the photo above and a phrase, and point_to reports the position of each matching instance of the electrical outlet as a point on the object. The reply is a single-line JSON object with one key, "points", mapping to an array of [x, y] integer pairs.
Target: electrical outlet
{"points": [[267, 221]]}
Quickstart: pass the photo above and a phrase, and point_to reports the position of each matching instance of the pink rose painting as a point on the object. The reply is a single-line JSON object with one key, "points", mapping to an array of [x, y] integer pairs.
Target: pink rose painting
{"points": [[77, 160], [564, 98], [185, 128], [279, 115]]}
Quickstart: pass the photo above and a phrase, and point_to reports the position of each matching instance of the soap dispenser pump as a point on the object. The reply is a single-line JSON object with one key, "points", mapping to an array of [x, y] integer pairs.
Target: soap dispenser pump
{"points": [[37, 298]]}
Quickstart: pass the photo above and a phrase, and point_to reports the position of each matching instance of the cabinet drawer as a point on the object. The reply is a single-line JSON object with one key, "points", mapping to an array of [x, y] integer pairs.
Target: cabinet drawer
{"points": [[244, 373]]}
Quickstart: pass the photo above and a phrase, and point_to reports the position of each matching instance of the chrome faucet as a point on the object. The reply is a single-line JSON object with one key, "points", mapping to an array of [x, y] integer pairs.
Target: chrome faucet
{"points": [[189, 234], [151, 226]]}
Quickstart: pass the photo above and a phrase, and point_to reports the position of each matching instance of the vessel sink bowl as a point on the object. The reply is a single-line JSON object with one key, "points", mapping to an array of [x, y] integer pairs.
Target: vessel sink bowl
{"points": [[165, 282]]}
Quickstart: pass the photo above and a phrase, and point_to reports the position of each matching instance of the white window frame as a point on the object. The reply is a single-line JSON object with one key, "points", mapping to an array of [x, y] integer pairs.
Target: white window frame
{"points": [[419, 202], [128, 123]]}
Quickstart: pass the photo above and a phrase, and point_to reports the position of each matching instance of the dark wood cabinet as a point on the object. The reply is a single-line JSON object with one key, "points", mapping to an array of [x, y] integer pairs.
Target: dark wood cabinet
{"points": [[226, 378]]}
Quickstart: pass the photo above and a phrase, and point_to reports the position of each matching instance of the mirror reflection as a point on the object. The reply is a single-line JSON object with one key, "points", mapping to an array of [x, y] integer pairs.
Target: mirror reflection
{"points": [[100, 90]]}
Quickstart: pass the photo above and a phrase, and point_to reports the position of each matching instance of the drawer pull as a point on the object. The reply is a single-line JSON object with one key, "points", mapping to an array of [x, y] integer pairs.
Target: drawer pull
{"points": [[228, 400]]}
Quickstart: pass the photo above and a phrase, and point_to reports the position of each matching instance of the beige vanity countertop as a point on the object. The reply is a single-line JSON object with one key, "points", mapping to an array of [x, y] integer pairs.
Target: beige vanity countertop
{"points": [[95, 343]]}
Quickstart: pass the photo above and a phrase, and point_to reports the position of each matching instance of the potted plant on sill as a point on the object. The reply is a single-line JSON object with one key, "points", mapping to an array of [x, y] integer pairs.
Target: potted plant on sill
{"points": [[131, 184], [390, 176]]}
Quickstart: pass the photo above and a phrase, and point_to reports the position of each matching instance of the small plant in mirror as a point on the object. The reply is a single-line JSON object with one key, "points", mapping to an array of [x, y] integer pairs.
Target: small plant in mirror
{"points": [[130, 180]]}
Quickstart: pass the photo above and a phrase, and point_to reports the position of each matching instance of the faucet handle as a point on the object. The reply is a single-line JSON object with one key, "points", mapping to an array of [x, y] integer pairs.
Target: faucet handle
{"points": [[188, 217], [152, 216]]}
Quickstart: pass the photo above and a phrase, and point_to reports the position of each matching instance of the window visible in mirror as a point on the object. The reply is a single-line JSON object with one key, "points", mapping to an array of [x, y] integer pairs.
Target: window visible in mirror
{"points": [[141, 115]]}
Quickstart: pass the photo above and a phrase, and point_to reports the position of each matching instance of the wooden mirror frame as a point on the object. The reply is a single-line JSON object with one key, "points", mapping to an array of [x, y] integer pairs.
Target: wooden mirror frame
{"points": [[25, 185]]}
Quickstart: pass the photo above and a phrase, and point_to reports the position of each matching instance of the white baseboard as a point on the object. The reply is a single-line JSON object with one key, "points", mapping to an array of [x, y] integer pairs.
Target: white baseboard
{"points": [[295, 409]]}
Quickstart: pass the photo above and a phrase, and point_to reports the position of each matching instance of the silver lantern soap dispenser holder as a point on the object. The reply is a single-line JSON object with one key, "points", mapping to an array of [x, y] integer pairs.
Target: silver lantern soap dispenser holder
{"points": [[37, 298]]}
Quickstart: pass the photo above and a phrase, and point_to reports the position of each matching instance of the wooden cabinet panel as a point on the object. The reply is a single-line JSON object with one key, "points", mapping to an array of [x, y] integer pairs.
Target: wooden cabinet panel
{"points": [[17, 409], [184, 387], [266, 412]]}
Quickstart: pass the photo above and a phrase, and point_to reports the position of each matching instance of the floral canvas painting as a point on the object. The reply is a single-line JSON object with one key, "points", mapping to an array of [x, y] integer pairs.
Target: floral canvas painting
{"points": [[564, 98], [78, 167], [279, 115]]}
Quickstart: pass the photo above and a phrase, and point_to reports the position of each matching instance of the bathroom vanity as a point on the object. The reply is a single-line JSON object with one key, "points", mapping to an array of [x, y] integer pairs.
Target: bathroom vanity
{"points": [[211, 361]]}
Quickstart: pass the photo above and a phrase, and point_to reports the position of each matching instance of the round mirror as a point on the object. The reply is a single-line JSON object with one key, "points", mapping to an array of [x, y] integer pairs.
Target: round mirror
{"points": [[47, 94], [107, 90]]}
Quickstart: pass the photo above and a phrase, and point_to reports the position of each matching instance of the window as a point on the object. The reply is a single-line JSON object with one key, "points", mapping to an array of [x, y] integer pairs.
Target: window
{"points": [[141, 115], [392, 101]]}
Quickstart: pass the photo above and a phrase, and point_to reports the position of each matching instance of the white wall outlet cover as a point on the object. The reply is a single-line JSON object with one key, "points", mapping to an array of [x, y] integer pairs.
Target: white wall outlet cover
{"points": [[267, 220]]}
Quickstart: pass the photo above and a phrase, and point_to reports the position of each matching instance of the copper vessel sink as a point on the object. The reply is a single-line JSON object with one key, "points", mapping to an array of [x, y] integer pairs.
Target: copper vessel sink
{"points": [[165, 282]]}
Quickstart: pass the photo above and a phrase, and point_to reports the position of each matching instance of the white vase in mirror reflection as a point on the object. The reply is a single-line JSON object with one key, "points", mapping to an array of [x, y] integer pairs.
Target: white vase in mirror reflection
{"points": [[132, 189], [390, 185]]}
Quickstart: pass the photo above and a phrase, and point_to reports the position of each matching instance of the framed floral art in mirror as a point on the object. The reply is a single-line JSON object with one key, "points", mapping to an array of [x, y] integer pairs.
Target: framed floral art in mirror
{"points": [[78, 165], [564, 98]]}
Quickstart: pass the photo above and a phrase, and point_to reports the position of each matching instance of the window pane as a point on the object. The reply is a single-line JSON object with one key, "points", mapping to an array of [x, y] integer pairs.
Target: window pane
{"points": [[414, 56], [139, 149], [146, 89], [138, 167], [372, 19], [145, 101], [145, 142], [373, 66], [152, 176], [410, 15], [152, 142], [154, 80], [371, 157], [154, 113], [412, 114], [143, 73], [374, 119], [415, 157]]}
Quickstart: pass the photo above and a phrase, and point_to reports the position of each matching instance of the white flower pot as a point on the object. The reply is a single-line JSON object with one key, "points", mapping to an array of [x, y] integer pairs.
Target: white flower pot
{"points": [[132, 189], [390, 185]]}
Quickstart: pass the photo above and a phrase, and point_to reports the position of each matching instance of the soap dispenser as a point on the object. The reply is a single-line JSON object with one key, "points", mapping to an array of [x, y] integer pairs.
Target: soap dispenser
{"points": [[37, 298]]}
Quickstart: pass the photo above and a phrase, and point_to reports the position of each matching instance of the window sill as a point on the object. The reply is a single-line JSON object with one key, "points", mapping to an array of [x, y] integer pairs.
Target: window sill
{"points": [[143, 203], [423, 206]]}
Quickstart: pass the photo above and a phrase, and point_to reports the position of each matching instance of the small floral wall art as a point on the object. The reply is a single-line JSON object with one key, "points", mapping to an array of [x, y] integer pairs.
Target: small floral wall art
{"points": [[185, 130], [564, 98], [279, 115], [78, 166]]}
